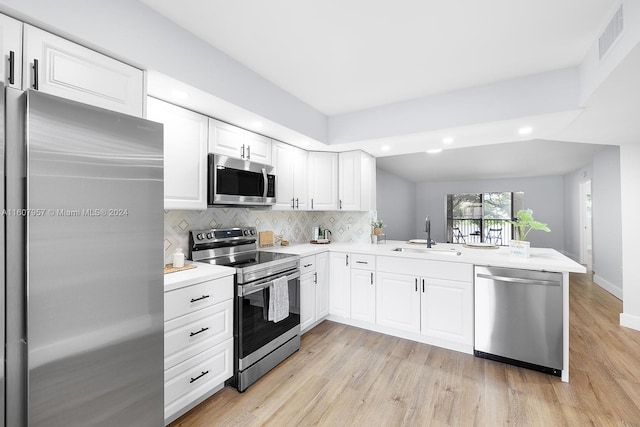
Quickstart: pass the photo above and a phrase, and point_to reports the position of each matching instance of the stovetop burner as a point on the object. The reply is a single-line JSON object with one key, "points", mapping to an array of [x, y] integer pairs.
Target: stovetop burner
{"points": [[237, 247]]}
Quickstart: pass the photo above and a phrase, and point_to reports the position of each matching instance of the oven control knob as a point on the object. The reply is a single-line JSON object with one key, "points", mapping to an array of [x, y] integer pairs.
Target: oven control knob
{"points": [[253, 232], [246, 231], [209, 235], [200, 236]]}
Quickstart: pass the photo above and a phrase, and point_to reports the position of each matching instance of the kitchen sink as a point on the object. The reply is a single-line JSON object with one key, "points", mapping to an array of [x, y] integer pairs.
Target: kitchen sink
{"points": [[428, 250]]}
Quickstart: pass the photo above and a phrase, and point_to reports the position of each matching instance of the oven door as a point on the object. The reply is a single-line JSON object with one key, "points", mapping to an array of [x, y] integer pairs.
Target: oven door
{"points": [[257, 336], [239, 182]]}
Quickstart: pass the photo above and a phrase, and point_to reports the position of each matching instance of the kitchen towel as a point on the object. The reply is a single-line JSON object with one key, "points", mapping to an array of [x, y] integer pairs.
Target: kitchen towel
{"points": [[279, 300]]}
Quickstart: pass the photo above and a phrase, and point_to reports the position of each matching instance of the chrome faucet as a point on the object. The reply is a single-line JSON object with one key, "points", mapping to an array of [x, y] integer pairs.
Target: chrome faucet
{"points": [[427, 229]]}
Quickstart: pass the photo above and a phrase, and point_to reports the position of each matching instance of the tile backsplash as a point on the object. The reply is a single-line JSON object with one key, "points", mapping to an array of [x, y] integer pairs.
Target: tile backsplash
{"points": [[294, 226]]}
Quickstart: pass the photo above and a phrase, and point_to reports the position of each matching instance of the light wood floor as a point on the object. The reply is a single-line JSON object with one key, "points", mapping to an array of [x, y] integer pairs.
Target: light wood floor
{"points": [[348, 376]]}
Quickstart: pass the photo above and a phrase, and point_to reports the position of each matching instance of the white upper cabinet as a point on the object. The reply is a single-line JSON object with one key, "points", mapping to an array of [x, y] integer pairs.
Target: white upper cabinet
{"points": [[185, 155], [356, 182], [291, 176], [11, 49], [236, 142], [323, 181], [59, 67]]}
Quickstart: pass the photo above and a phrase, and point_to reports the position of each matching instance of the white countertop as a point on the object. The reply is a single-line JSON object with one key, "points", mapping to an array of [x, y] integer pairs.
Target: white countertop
{"points": [[201, 273], [540, 259]]}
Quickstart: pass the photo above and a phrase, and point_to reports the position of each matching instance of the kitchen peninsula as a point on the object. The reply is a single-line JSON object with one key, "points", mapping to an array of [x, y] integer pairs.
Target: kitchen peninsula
{"points": [[408, 291]]}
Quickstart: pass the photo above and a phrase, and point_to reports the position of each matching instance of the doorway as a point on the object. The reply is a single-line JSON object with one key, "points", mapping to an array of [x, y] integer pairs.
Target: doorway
{"points": [[586, 245]]}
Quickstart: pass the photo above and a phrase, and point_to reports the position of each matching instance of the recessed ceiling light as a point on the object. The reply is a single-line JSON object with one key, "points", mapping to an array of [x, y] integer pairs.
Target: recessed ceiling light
{"points": [[434, 151], [178, 94], [385, 148], [525, 130], [447, 140]]}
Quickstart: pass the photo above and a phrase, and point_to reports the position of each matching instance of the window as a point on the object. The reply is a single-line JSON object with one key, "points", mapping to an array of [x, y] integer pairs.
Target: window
{"points": [[482, 217]]}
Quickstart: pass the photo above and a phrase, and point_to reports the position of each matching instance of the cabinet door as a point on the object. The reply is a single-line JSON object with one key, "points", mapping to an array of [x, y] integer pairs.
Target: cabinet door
{"points": [[226, 139], [322, 285], [323, 181], [398, 298], [283, 160], [185, 155], [11, 49], [349, 181], [363, 295], [447, 310], [307, 300], [257, 148], [339, 285], [300, 172], [57, 66]]}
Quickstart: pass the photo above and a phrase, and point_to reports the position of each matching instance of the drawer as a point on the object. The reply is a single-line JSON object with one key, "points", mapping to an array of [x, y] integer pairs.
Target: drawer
{"points": [[308, 264], [195, 297], [427, 268], [188, 335], [363, 262], [195, 377]]}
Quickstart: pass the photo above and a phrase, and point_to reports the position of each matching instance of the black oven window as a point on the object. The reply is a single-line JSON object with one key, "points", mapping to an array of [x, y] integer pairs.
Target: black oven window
{"points": [[238, 182]]}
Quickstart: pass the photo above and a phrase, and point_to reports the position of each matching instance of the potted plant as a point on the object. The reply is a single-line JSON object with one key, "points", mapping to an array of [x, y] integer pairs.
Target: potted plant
{"points": [[524, 223], [377, 225]]}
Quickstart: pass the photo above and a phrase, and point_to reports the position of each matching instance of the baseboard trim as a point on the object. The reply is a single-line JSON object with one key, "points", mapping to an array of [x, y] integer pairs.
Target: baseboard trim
{"points": [[614, 290], [630, 321]]}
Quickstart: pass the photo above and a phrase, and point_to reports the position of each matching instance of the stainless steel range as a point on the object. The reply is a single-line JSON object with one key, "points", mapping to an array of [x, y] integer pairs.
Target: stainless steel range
{"points": [[266, 331]]}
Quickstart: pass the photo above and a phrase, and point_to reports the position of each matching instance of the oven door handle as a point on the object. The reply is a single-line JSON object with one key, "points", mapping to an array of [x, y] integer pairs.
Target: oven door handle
{"points": [[260, 285]]}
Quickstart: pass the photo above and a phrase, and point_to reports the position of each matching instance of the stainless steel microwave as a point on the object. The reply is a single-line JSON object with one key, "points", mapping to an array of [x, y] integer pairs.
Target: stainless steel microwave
{"points": [[240, 182]]}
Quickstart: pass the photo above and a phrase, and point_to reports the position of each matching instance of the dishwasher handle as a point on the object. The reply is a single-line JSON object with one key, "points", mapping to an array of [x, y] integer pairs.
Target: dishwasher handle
{"points": [[519, 280]]}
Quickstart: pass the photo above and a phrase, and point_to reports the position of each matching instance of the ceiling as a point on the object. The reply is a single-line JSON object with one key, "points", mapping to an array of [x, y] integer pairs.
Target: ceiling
{"points": [[341, 57]]}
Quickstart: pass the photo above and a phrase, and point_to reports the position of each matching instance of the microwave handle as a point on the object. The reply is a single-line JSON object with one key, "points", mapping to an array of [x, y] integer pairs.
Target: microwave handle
{"points": [[250, 289], [266, 182]]}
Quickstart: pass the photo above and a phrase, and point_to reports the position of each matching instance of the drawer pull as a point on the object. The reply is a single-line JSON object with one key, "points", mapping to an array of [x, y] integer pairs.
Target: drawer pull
{"points": [[362, 262], [192, 334], [199, 299], [198, 377], [307, 265]]}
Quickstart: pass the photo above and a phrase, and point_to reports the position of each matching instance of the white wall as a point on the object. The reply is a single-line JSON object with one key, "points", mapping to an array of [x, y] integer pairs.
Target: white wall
{"points": [[606, 220], [572, 229], [396, 205], [630, 191], [544, 195]]}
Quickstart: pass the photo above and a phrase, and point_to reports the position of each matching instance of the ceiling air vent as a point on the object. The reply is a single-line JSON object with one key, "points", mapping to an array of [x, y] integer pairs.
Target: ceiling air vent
{"points": [[612, 32]]}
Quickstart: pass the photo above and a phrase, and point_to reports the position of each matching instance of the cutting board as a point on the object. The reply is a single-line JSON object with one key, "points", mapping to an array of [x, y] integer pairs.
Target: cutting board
{"points": [[265, 239]]}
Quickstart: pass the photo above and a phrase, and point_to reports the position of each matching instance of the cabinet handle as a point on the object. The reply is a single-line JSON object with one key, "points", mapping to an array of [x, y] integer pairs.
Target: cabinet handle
{"points": [[340, 203], [201, 298], [372, 278], [416, 285], [12, 57], [35, 74], [242, 152], [315, 277], [347, 260], [307, 265], [423, 286], [297, 204], [198, 377], [292, 205], [193, 334], [362, 262], [248, 152], [311, 203]]}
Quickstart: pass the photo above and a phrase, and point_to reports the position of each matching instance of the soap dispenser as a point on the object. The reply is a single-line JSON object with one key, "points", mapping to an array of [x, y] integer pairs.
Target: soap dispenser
{"points": [[178, 258]]}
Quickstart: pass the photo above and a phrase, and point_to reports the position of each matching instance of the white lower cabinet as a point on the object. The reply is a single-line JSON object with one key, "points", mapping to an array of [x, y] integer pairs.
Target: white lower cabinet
{"points": [[363, 288], [314, 290], [339, 285], [447, 310], [398, 302], [430, 304], [198, 343]]}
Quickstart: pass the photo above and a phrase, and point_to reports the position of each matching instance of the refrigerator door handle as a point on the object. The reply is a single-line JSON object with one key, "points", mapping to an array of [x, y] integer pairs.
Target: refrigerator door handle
{"points": [[12, 58]]}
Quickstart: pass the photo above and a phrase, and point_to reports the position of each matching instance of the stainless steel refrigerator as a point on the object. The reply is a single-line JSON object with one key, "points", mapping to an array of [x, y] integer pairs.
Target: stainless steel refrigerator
{"points": [[83, 216]]}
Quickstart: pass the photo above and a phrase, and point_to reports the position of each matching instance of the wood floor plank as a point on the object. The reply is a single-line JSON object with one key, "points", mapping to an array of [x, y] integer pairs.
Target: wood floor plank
{"points": [[346, 376]]}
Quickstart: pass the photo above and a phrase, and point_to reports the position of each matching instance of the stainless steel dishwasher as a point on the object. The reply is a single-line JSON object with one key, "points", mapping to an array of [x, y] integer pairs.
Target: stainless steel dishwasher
{"points": [[518, 317]]}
